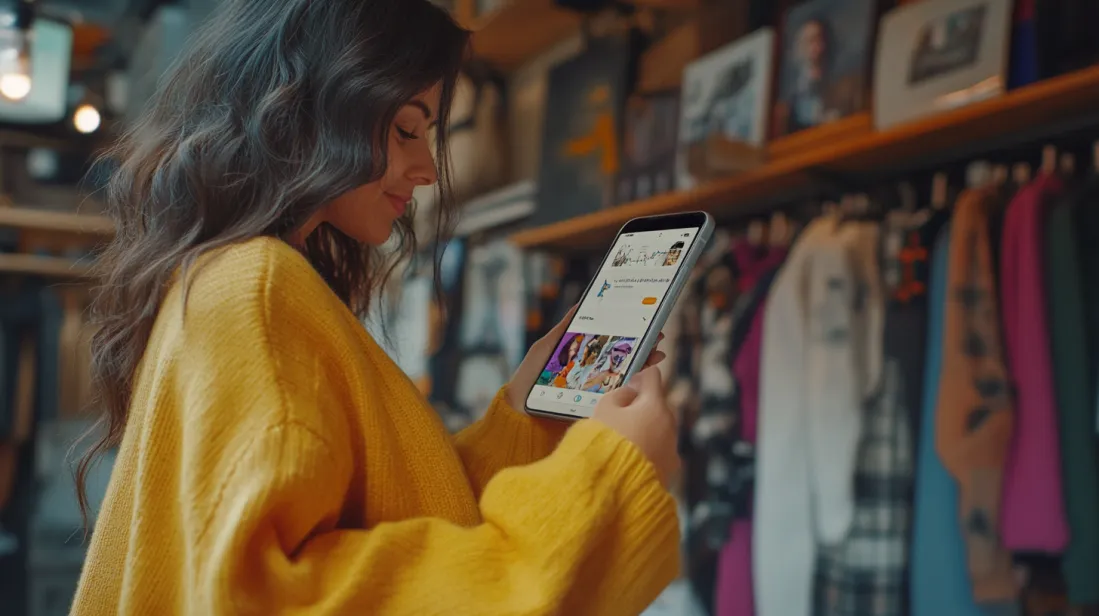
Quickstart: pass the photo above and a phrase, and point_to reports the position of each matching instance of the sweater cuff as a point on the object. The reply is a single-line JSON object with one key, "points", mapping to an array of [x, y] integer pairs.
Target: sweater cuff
{"points": [[647, 529], [503, 421]]}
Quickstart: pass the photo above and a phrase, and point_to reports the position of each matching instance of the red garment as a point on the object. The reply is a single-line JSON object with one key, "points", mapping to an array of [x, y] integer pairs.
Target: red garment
{"points": [[1033, 514]]}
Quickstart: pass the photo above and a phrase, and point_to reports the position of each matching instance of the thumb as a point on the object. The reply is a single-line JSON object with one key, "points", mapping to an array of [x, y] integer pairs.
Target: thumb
{"points": [[648, 382]]}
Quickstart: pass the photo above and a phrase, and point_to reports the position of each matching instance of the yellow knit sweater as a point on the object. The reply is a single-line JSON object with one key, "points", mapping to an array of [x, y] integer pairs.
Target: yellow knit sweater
{"points": [[276, 461]]}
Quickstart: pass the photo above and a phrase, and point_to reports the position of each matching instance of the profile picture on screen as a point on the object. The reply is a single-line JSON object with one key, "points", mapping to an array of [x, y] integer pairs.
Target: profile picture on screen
{"points": [[674, 253]]}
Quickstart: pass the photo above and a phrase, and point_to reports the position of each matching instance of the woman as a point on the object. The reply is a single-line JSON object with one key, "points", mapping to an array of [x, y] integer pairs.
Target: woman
{"points": [[272, 459], [566, 358]]}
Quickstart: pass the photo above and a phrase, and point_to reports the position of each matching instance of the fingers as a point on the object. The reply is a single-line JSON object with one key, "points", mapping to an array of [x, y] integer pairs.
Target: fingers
{"points": [[655, 358], [623, 396]]}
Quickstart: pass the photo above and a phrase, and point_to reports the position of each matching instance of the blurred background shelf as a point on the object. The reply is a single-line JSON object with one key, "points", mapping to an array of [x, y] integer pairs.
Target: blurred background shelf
{"points": [[63, 223], [520, 30], [35, 265], [951, 135]]}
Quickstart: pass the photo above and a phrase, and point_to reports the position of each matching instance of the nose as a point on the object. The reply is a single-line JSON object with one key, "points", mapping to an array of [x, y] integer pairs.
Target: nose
{"points": [[421, 170]]}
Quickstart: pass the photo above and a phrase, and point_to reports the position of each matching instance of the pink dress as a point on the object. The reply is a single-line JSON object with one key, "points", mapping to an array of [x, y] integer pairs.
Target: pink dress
{"points": [[1033, 514]]}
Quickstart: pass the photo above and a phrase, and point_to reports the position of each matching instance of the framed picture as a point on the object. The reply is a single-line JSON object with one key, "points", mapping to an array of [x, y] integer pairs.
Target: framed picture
{"points": [[648, 146], [582, 130], [724, 99], [938, 55], [827, 53]]}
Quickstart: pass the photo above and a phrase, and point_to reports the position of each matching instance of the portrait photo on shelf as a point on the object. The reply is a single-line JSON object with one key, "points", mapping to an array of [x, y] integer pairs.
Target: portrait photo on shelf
{"points": [[826, 55], [938, 55]]}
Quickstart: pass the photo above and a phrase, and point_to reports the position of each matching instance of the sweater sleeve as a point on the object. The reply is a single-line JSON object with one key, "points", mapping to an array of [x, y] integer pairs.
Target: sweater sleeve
{"points": [[503, 438], [588, 529]]}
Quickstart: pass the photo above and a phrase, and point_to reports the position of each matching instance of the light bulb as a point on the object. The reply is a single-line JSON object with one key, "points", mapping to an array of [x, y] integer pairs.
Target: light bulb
{"points": [[15, 86], [86, 119], [15, 63]]}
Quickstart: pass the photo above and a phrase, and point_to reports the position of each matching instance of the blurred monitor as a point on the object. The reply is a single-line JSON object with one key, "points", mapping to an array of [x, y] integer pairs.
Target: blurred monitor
{"points": [[51, 55]]}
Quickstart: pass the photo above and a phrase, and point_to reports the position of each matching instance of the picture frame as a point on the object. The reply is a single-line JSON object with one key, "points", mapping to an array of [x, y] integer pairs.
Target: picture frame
{"points": [[951, 53], [724, 105], [648, 146], [826, 54]]}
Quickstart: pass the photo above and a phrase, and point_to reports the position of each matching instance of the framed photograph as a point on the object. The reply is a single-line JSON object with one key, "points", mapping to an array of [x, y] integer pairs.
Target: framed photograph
{"points": [[648, 146], [938, 55], [725, 95], [827, 53]]}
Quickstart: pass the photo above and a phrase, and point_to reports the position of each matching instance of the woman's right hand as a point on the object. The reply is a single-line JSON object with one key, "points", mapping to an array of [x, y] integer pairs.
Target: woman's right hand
{"points": [[639, 411]]}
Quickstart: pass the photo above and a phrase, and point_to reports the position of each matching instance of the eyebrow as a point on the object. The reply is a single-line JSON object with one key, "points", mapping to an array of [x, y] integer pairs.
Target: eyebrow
{"points": [[422, 106]]}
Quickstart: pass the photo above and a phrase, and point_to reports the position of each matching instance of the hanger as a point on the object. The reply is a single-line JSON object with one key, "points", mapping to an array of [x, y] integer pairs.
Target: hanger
{"points": [[939, 188], [1020, 173], [1049, 160], [757, 232], [908, 197], [1067, 165], [978, 173], [780, 230]]}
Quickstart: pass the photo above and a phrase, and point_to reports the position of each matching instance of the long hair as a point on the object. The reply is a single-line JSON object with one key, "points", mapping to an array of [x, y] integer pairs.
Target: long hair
{"points": [[276, 108]]}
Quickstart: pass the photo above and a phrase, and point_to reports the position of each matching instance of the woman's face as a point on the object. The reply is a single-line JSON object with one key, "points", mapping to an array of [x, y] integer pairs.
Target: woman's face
{"points": [[811, 43], [367, 213], [574, 348]]}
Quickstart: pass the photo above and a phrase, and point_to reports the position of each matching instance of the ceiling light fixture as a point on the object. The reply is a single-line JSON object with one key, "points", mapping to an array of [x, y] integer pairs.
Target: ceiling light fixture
{"points": [[15, 50]]}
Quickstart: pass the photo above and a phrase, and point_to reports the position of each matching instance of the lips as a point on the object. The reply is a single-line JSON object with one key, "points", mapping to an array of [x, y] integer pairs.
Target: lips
{"points": [[399, 202]]}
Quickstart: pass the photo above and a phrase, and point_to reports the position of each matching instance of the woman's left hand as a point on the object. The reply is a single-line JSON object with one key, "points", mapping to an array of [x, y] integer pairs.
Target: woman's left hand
{"points": [[535, 361]]}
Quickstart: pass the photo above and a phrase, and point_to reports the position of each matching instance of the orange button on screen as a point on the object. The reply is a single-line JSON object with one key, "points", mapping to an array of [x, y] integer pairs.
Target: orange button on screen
{"points": [[648, 301]]}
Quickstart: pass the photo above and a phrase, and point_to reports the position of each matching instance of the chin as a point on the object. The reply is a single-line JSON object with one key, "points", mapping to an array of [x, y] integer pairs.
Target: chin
{"points": [[373, 236]]}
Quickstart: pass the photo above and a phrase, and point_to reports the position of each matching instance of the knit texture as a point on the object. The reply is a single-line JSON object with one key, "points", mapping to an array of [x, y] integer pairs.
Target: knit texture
{"points": [[276, 461], [975, 417]]}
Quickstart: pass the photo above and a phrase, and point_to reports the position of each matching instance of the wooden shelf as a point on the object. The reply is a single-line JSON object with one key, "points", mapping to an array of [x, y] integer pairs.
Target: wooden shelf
{"points": [[520, 30], [55, 222], [34, 265], [1025, 109]]}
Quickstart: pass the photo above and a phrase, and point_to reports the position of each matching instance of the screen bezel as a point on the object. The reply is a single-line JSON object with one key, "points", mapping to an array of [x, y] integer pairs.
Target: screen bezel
{"points": [[687, 220]]}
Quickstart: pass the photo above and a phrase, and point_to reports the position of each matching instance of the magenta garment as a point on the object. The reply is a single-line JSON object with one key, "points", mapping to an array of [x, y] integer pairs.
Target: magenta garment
{"points": [[1033, 514], [754, 261], [733, 594]]}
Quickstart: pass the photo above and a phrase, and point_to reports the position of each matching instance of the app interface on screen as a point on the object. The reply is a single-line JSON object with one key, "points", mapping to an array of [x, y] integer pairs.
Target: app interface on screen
{"points": [[593, 357]]}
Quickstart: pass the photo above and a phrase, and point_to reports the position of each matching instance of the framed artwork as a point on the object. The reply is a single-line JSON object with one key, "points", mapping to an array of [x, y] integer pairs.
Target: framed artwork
{"points": [[648, 146], [725, 95], [582, 130], [940, 54], [827, 50]]}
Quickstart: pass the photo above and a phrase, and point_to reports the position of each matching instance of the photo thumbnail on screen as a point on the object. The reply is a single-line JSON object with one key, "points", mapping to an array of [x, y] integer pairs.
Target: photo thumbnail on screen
{"points": [[588, 362]]}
